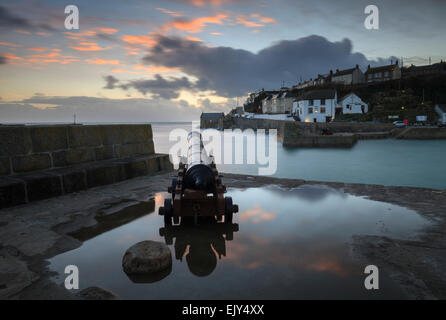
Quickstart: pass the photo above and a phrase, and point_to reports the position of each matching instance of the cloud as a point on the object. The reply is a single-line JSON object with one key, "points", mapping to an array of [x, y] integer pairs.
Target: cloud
{"points": [[3, 60], [197, 25], [9, 20], [102, 61], [159, 87], [110, 82], [91, 109], [234, 72]]}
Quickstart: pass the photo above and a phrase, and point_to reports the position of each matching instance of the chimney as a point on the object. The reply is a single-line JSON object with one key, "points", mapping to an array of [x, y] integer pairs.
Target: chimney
{"points": [[368, 67], [396, 62], [357, 66]]}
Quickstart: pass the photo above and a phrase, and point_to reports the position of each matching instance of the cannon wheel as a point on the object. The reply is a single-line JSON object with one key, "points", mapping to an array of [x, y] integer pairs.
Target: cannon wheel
{"points": [[228, 210], [174, 186], [167, 212]]}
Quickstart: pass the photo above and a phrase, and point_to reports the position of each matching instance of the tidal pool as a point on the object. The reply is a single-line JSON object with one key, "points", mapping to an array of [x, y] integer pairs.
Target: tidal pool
{"points": [[283, 244]]}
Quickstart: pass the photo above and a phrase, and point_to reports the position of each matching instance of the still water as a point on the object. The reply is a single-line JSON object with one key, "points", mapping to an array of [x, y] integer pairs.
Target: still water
{"points": [[283, 244], [416, 163]]}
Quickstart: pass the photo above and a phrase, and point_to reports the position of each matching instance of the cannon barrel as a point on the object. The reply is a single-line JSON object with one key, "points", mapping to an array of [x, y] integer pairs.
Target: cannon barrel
{"points": [[199, 175]]}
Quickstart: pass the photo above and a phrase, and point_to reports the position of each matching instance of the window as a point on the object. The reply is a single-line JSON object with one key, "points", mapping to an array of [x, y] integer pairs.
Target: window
{"points": [[322, 109], [310, 110], [322, 102], [311, 102]]}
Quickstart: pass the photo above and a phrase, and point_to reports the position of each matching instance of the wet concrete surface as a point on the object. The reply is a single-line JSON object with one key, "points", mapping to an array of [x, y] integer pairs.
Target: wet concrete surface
{"points": [[413, 265]]}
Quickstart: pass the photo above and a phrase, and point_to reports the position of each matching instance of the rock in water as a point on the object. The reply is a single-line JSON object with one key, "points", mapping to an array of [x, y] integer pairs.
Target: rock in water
{"points": [[146, 257]]}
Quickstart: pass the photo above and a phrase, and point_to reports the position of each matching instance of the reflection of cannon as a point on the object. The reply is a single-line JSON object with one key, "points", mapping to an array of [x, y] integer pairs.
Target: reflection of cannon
{"points": [[203, 243], [198, 190]]}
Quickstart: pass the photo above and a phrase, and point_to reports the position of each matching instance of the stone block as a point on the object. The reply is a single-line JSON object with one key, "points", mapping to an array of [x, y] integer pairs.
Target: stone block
{"points": [[12, 192], [136, 168], [165, 163], [48, 138], [153, 165], [136, 133], [5, 166], [104, 153], [80, 136], [73, 156], [41, 186], [135, 149], [15, 140], [111, 134], [31, 162], [74, 180], [98, 175]]}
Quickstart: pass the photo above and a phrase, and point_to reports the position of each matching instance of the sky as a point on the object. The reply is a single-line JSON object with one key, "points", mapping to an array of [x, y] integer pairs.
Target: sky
{"points": [[148, 61]]}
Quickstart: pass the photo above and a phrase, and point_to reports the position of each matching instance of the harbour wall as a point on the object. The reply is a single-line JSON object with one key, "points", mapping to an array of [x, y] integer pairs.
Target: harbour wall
{"points": [[301, 134], [38, 162]]}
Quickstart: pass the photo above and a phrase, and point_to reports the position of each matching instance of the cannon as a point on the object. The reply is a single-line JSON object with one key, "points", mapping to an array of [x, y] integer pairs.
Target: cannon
{"points": [[197, 190]]}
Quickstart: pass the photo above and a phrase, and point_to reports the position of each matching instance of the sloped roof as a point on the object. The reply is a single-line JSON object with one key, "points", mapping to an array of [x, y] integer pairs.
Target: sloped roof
{"points": [[347, 95], [389, 67], [318, 94], [212, 115], [344, 72]]}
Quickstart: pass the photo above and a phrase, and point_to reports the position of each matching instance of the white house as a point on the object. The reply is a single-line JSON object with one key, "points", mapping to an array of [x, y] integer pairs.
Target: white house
{"points": [[316, 106], [352, 104], [281, 102], [266, 104]]}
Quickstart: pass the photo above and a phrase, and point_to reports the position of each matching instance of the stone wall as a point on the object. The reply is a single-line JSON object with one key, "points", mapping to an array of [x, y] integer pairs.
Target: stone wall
{"points": [[32, 148], [39, 162], [422, 133]]}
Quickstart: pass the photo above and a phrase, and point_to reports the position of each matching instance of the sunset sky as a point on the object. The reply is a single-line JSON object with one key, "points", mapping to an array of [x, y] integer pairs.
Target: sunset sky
{"points": [[142, 61]]}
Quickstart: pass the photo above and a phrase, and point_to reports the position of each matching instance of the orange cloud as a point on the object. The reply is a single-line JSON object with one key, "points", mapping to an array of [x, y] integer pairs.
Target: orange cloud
{"points": [[43, 34], [155, 69], [216, 33], [200, 3], [194, 39], [88, 46], [48, 55], [39, 49], [10, 44], [169, 12], [261, 20], [108, 30], [12, 56], [197, 25], [22, 31], [80, 35], [102, 61], [145, 41]]}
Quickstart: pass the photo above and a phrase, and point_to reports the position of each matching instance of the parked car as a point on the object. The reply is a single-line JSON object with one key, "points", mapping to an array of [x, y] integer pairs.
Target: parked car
{"points": [[399, 124], [441, 124]]}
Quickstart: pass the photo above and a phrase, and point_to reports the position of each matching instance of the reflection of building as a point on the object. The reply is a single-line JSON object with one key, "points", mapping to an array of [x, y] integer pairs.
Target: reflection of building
{"points": [[201, 242]]}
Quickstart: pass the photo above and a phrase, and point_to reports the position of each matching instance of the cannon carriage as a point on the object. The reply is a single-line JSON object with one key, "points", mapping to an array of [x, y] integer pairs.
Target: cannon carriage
{"points": [[197, 191]]}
